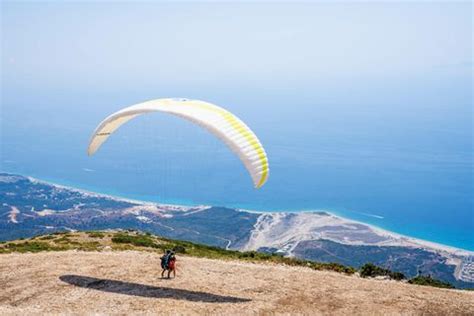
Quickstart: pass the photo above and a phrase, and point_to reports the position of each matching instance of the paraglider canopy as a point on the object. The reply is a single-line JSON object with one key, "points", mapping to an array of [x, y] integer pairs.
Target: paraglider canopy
{"points": [[220, 122]]}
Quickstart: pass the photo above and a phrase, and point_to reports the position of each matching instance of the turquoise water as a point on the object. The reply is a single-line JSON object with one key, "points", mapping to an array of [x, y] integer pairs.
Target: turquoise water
{"points": [[405, 170]]}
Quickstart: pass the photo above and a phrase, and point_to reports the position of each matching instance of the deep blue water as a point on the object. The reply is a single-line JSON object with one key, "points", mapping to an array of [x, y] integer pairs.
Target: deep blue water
{"points": [[402, 162]]}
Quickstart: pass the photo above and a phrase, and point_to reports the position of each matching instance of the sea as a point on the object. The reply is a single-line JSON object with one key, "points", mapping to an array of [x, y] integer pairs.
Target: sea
{"points": [[402, 162]]}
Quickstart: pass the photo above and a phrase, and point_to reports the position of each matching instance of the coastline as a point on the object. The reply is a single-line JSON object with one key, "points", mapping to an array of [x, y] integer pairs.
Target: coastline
{"points": [[405, 241], [396, 239]]}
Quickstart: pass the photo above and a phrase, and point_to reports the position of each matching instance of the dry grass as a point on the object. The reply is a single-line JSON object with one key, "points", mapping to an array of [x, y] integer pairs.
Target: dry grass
{"points": [[128, 282]]}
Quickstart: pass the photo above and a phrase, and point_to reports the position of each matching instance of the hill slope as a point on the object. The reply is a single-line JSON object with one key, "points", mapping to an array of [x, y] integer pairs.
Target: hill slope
{"points": [[128, 282]]}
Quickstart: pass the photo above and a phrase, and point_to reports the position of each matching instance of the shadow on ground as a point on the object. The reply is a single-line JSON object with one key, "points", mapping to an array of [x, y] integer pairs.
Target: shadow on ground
{"points": [[136, 289]]}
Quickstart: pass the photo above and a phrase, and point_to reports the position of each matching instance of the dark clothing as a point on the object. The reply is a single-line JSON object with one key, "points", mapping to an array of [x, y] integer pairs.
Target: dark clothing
{"points": [[166, 259]]}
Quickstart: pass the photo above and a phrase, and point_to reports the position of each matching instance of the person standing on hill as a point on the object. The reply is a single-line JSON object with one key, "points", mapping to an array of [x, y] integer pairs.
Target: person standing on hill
{"points": [[168, 263]]}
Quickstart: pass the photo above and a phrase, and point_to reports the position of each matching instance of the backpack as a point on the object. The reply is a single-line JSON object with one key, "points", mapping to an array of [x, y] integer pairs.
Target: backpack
{"points": [[164, 261]]}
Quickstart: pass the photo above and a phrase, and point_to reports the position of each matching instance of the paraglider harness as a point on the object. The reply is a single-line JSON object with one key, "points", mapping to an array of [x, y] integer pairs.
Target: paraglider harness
{"points": [[165, 260]]}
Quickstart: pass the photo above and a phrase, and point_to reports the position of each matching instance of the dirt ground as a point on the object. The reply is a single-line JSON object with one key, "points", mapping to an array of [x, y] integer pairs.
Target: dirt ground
{"points": [[128, 282]]}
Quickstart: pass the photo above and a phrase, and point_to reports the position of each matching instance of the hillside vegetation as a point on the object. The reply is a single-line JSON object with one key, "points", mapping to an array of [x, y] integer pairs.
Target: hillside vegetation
{"points": [[134, 240]]}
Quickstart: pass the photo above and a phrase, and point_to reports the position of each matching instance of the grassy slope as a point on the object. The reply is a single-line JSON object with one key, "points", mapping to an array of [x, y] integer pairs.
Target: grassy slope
{"points": [[131, 240]]}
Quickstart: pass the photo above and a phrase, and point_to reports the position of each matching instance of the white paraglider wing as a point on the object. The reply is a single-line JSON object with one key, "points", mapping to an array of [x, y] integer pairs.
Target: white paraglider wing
{"points": [[220, 122]]}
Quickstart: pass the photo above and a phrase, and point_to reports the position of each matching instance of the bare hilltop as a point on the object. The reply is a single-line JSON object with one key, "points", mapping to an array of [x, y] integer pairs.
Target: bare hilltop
{"points": [[119, 278]]}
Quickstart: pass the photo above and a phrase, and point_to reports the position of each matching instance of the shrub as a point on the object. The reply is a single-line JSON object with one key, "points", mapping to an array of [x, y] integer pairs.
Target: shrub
{"points": [[138, 240], [95, 235], [397, 276], [333, 267], [179, 249], [35, 246], [47, 237], [89, 246], [428, 281], [63, 240], [371, 270]]}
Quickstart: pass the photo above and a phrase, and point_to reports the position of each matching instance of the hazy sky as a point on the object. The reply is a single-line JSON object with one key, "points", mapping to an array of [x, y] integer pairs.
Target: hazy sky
{"points": [[260, 59], [81, 46], [282, 67]]}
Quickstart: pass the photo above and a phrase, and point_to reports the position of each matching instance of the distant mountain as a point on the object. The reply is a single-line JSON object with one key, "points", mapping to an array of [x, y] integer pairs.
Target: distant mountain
{"points": [[30, 207]]}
